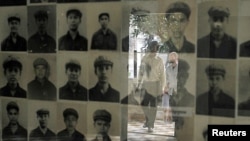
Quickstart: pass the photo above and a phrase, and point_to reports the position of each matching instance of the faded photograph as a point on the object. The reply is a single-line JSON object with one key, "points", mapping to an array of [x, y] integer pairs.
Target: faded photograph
{"points": [[41, 87], [103, 122], [104, 38], [72, 121], [104, 33], [73, 89], [243, 92], [215, 88], [41, 29], [218, 38], [105, 68], [14, 121], [14, 29], [73, 40], [244, 21], [13, 69], [178, 17], [70, 116], [41, 121]]}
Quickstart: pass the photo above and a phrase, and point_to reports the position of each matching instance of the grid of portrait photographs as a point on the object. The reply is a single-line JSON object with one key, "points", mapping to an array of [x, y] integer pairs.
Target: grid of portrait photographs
{"points": [[122, 70]]}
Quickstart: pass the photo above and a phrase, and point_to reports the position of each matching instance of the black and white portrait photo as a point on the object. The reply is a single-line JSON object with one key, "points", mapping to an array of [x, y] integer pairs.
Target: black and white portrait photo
{"points": [[41, 29], [103, 121], [103, 73], [243, 92], [106, 26], [217, 31], [244, 21], [73, 37], [13, 73], [215, 88], [73, 77], [42, 117], [180, 16], [71, 122], [42, 81], [14, 29], [14, 121]]}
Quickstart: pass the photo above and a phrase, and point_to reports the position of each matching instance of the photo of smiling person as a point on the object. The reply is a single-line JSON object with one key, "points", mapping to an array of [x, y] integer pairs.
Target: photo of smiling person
{"points": [[73, 40]]}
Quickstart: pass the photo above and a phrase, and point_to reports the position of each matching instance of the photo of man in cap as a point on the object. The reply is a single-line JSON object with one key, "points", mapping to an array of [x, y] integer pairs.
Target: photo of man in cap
{"points": [[12, 68], [41, 42], [217, 44], [14, 131], [73, 90], [70, 116], [73, 41], [104, 38], [178, 12], [42, 132], [215, 101], [14, 42], [102, 119], [103, 91], [41, 88], [152, 78]]}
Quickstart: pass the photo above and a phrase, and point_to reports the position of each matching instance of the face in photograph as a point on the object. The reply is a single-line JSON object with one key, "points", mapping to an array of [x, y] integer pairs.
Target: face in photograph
{"points": [[178, 24], [13, 116], [104, 20], [42, 24], [102, 127], [103, 73], [215, 82], [73, 21], [70, 122], [14, 26], [217, 25], [40, 71], [13, 74], [43, 120], [73, 74]]}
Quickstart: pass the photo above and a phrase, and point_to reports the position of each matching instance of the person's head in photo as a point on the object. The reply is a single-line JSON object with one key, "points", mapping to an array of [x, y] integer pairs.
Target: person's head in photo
{"points": [[70, 117], [73, 19], [102, 119], [73, 71], [14, 22], [41, 18], [104, 20], [41, 68], [152, 48], [216, 76], [12, 70], [13, 112], [43, 117], [218, 18], [178, 14], [173, 59], [103, 68]]}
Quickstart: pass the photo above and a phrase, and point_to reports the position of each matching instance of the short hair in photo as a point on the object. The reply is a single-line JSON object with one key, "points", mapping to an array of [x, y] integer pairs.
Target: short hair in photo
{"points": [[76, 12], [178, 7]]}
